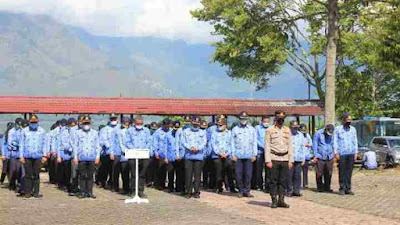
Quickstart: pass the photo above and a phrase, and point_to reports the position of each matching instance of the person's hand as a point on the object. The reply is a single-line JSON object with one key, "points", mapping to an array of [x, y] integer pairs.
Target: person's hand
{"points": [[166, 161], [75, 161], [302, 163], [3, 158], [177, 159], [355, 157], [48, 155], [234, 159], [315, 160], [337, 157], [290, 165], [157, 157], [112, 157], [223, 156], [269, 165], [59, 159], [253, 159], [307, 145], [193, 149], [97, 161], [44, 159], [22, 160]]}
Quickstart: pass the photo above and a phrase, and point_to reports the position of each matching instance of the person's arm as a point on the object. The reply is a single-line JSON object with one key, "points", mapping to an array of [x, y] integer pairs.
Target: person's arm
{"points": [[203, 143], [291, 157], [315, 145], [213, 143], [267, 151], [177, 143], [128, 139], [97, 146], [260, 142], [22, 145], [185, 141], [43, 143], [335, 142], [355, 140], [233, 150], [255, 143]]}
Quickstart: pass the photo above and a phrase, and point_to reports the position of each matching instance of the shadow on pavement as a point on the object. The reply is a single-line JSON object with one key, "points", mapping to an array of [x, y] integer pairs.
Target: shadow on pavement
{"points": [[259, 203]]}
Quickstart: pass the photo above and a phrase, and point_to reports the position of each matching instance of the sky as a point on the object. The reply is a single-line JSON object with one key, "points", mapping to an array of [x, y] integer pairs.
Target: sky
{"points": [[168, 19]]}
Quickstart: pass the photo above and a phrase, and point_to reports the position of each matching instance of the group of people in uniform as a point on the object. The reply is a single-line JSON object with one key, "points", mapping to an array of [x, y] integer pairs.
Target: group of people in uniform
{"points": [[182, 156]]}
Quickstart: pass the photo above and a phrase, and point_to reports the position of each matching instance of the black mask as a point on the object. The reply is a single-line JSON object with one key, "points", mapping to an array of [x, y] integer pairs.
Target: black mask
{"points": [[280, 121]]}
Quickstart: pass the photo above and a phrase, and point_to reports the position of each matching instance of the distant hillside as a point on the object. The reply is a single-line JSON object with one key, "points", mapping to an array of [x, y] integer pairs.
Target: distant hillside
{"points": [[40, 56]]}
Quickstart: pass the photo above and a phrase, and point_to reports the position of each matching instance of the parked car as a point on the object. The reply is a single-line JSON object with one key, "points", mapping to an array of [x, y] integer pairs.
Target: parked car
{"points": [[387, 149]]}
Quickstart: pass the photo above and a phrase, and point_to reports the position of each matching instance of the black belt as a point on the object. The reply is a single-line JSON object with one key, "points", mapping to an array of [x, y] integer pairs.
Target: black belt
{"points": [[279, 153]]}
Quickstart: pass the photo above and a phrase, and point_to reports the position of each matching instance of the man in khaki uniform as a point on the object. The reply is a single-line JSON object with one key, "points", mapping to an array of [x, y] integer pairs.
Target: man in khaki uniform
{"points": [[279, 158]]}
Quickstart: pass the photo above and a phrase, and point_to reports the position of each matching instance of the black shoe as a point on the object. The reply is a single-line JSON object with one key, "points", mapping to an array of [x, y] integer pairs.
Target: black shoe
{"points": [[38, 196], [81, 195], [349, 192], [320, 190], [281, 203], [240, 195], [219, 190], [341, 192], [248, 195], [91, 196], [142, 194], [28, 196], [329, 191], [274, 204], [297, 195], [233, 190], [170, 190]]}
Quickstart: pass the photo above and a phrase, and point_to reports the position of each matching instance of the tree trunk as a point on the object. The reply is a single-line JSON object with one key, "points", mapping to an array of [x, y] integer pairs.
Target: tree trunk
{"points": [[331, 62]]}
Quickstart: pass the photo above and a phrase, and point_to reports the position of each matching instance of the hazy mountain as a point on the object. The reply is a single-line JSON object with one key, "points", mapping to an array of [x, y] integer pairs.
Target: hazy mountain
{"points": [[41, 56]]}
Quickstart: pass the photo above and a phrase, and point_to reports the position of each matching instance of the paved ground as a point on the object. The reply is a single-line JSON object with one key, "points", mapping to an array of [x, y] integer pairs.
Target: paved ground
{"points": [[375, 202]]}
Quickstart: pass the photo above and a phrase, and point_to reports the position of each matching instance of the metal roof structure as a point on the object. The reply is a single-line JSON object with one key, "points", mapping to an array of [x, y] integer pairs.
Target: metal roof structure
{"points": [[155, 106]]}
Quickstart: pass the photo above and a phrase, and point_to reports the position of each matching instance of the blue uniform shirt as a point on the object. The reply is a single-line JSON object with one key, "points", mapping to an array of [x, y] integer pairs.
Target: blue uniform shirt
{"points": [[118, 146], [179, 149], [221, 143], [244, 142], [194, 138], [261, 130], [323, 146], [138, 139], [299, 147], [87, 145], [209, 132], [308, 149], [164, 145], [369, 160], [33, 143], [345, 140], [12, 148], [64, 149], [106, 140]]}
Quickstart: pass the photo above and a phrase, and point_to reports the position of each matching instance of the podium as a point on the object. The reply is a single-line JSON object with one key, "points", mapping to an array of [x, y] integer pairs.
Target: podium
{"points": [[137, 154]]}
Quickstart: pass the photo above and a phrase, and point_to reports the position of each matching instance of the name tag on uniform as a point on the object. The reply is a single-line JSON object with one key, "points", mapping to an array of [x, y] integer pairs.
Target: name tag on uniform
{"points": [[137, 154]]}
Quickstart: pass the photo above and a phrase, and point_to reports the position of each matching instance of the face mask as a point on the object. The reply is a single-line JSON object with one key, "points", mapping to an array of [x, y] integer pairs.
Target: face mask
{"points": [[347, 124], [139, 127], [114, 123], [33, 126], [265, 124], [280, 121], [86, 127], [243, 122]]}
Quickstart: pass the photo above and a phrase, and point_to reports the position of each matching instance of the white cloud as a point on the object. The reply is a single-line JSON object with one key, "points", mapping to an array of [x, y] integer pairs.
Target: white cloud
{"points": [[158, 18]]}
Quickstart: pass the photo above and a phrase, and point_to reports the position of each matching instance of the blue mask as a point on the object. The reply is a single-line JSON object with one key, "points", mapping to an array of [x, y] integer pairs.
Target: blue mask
{"points": [[33, 126]]}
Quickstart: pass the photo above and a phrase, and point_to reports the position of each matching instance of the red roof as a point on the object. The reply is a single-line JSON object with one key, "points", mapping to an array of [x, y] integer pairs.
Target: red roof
{"points": [[154, 106]]}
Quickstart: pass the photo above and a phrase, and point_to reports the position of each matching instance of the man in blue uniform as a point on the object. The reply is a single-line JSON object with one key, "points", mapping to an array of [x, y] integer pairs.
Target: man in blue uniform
{"points": [[308, 146], [194, 141], [164, 152], [87, 154], [64, 154], [32, 155], [259, 165], [151, 172], [345, 147], [118, 149], [294, 178], [323, 157], [244, 153], [16, 169], [221, 155], [106, 159], [74, 127], [138, 137], [208, 167], [52, 151]]}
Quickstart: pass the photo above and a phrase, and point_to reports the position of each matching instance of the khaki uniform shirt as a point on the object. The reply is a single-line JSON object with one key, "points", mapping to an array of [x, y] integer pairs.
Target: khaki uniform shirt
{"points": [[278, 141]]}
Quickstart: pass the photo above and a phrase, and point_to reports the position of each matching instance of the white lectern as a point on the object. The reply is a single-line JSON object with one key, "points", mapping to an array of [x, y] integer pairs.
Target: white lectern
{"points": [[137, 154]]}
